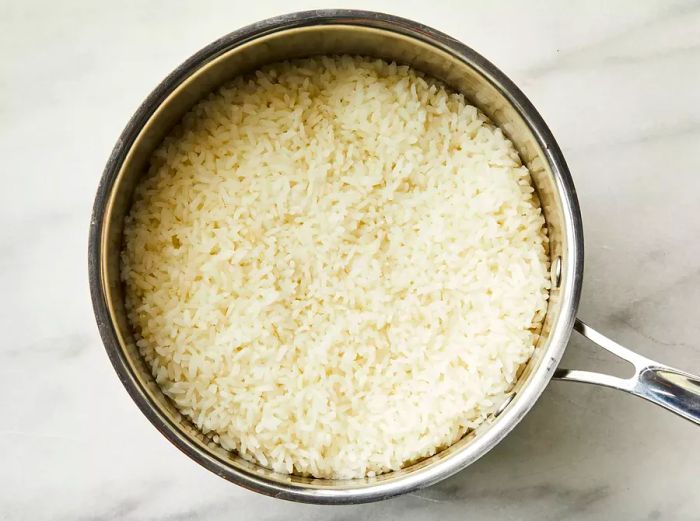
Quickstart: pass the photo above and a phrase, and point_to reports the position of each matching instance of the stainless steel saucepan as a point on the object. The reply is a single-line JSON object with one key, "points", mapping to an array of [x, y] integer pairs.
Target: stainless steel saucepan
{"points": [[378, 35]]}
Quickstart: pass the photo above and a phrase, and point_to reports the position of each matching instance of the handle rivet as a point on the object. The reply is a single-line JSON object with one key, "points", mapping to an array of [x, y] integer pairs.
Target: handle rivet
{"points": [[556, 272]]}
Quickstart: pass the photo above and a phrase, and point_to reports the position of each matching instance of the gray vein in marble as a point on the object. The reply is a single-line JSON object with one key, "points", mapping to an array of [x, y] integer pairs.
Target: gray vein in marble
{"points": [[670, 286], [562, 500], [581, 56], [664, 54], [682, 129], [63, 348], [122, 510]]}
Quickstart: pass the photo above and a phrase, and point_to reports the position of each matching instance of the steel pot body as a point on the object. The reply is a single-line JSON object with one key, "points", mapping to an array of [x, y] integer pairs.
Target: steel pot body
{"points": [[337, 32]]}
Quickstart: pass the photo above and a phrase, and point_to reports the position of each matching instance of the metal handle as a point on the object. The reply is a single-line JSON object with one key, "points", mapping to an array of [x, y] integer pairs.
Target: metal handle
{"points": [[670, 388]]}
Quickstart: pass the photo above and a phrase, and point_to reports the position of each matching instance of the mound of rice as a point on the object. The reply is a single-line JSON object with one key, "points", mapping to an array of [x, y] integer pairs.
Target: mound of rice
{"points": [[335, 266]]}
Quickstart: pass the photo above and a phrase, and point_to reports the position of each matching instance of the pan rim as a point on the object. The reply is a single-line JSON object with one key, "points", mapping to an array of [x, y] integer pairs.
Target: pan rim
{"points": [[561, 329]]}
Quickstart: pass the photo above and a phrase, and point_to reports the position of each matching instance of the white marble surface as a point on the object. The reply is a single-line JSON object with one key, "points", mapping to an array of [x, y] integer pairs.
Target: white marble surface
{"points": [[619, 84]]}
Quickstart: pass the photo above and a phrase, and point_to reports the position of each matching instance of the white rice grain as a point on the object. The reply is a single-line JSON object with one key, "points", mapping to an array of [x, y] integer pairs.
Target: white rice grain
{"points": [[336, 266]]}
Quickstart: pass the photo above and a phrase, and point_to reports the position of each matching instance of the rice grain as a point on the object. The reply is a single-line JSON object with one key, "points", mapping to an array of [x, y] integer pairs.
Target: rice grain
{"points": [[335, 266]]}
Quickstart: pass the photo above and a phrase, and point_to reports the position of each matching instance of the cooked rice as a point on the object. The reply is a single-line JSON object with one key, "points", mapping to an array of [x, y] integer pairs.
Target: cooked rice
{"points": [[335, 266]]}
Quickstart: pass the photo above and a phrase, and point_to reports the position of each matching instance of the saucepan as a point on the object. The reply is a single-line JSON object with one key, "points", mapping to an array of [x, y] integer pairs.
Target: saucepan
{"points": [[406, 42]]}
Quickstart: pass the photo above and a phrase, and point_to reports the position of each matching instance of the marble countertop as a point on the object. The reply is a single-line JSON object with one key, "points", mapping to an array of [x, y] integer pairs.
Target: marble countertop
{"points": [[619, 85]]}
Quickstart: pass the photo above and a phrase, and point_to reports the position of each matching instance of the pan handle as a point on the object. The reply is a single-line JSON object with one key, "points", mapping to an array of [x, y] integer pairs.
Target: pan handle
{"points": [[675, 390]]}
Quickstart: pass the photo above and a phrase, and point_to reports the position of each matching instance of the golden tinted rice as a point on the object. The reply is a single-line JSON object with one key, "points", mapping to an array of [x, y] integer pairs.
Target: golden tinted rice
{"points": [[335, 266]]}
